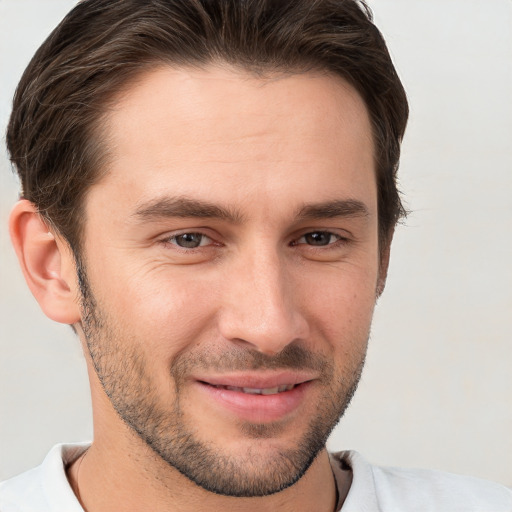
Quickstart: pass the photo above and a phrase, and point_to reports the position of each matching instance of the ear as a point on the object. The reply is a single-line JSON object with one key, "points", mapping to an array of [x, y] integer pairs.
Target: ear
{"points": [[384, 254], [46, 262]]}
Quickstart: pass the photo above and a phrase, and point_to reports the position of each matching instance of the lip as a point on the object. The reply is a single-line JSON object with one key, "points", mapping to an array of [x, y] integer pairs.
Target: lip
{"points": [[254, 407], [258, 379]]}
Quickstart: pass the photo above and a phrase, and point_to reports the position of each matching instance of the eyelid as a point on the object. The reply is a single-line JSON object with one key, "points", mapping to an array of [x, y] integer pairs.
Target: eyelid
{"points": [[169, 239], [175, 236], [331, 234], [340, 235]]}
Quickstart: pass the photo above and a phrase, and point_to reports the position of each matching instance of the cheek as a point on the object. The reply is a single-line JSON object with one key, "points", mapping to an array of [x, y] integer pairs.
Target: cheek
{"points": [[162, 312], [340, 305]]}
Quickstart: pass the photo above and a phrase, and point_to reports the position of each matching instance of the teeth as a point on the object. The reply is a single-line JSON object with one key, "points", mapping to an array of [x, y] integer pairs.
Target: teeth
{"points": [[256, 391], [260, 391], [270, 391]]}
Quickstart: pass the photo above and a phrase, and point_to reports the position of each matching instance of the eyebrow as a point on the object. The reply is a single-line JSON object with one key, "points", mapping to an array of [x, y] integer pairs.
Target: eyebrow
{"points": [[184, 207], [333, 209]]}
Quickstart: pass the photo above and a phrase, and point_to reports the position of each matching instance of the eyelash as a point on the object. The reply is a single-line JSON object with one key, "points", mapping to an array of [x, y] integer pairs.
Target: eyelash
{"points": [[173, 240], [339, 240], [330, 244]]}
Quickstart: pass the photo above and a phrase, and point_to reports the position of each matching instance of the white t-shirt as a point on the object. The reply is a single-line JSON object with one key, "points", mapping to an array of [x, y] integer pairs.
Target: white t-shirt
{"points": [[374, 489]]}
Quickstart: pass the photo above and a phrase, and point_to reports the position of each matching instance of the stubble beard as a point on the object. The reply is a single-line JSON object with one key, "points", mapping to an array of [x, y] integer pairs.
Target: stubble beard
{"points": [[125, 377]]}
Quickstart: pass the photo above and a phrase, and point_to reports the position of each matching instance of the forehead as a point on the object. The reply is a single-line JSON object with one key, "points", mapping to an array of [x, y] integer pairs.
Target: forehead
{"points": [[225, 132]]}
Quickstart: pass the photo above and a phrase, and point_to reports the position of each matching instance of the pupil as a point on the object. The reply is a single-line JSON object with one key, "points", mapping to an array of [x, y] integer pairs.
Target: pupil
{"points": [[318, 238], [189, 240]]}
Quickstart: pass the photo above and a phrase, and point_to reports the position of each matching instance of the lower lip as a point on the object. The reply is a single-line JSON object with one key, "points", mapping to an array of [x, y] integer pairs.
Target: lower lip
{"points": [[257, 408]]}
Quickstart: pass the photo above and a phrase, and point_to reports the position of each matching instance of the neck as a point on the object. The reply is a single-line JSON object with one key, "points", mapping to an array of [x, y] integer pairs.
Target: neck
{"points": [[142, 481]]}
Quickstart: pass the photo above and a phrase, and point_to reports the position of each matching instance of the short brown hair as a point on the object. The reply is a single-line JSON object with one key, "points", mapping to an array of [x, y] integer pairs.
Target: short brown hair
{"points": [[53, 135]]}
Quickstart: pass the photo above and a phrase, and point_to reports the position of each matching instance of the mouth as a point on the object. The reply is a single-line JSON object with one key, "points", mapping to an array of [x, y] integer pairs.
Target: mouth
{"points": [[259, 398], [256, 391]]}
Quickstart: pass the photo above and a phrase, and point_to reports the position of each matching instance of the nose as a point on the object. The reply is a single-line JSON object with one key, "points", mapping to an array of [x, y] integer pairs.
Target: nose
{"points": [[261, 306]]}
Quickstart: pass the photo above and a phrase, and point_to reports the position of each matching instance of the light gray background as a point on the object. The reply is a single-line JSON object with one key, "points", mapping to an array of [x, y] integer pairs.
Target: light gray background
{"points": [[437, 390]]}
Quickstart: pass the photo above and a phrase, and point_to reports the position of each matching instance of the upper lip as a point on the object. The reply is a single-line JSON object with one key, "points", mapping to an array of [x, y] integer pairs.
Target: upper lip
{"points": [[258, 380]]}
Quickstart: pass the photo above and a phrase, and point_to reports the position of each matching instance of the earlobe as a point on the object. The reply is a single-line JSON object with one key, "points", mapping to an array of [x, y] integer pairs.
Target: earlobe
{"points": [[46, 262]]}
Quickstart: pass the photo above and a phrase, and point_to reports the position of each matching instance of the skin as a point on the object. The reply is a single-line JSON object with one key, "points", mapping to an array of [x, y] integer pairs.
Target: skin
{"points": [[272, 152]]}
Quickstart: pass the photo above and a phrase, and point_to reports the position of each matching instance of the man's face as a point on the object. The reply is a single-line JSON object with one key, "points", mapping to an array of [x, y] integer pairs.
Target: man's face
{"points": [[231, 259]]}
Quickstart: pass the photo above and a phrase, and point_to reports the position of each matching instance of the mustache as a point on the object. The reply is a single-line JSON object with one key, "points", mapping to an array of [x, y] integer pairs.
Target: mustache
{"points": [[293, 357]]}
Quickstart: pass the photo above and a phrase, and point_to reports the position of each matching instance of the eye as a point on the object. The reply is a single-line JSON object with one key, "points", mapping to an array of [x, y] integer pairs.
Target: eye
{"points": [[318, 238], [190, 240]]}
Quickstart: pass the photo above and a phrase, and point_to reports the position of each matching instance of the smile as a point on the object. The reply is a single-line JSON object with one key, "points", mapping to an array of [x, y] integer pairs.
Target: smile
{"points": [[259, 391], [257, 398]]}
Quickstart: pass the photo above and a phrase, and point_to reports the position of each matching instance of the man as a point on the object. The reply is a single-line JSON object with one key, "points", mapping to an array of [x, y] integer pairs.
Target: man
{"points": [[209, 200]]}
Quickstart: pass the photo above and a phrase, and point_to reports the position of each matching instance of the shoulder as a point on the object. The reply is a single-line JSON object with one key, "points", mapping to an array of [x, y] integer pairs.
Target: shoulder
{"points": [[44, 488], [398, 490]]}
